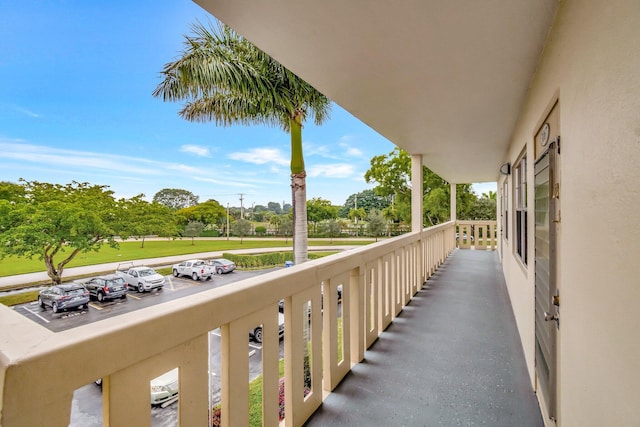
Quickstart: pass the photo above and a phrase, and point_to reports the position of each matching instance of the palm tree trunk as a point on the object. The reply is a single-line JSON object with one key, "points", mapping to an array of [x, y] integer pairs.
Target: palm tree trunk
{"points": [[298, 191]]}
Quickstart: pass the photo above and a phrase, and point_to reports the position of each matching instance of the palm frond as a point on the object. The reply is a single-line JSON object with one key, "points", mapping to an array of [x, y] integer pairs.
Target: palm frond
{"points": [[224, 78]]}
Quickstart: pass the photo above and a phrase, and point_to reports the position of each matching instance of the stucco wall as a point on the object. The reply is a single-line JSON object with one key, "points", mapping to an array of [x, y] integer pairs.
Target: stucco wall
{"points": [[592, 64]]}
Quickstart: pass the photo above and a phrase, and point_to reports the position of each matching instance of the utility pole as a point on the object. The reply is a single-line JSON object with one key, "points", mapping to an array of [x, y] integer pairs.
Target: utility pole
{"points": [[241, 205], [227, 221]]}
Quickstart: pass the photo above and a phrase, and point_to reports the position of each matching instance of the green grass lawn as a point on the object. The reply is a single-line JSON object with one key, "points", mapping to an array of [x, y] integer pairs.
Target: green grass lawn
{"points": [[131, 250]]}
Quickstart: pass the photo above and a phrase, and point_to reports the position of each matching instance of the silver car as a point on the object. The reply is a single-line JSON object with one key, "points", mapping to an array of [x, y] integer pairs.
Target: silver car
{"points": [[64, 297], [223, 265]]}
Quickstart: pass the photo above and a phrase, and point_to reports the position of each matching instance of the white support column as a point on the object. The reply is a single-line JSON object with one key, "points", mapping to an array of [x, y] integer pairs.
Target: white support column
{"points": [[416, 192], [453, 202]]}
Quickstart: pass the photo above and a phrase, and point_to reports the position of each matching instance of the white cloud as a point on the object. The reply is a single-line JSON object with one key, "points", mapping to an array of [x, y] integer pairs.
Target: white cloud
{"points": [[261, 156], [196, 149], [336, 170], [353, 152], [27, 112], [225, 182]]}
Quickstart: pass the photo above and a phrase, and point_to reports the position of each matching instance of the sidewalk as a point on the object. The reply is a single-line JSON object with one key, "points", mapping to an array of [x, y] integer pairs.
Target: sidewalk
{"points": [[9, 282]]}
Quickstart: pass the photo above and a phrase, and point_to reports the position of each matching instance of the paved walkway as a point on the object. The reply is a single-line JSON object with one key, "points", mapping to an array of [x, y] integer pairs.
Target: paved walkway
{"points": [[9, 282], [452, 358]]}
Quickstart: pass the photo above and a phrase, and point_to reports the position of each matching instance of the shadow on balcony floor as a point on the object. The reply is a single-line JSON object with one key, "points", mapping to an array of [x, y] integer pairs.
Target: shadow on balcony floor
{"points": [[452, 358]]}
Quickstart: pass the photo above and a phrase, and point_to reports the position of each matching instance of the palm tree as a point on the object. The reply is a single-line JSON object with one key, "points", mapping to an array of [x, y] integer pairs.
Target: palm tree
{"points": [[224, 78]]}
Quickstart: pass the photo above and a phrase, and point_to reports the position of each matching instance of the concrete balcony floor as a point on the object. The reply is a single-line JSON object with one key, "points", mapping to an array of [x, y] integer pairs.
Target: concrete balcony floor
{"points": [[451, 358]]}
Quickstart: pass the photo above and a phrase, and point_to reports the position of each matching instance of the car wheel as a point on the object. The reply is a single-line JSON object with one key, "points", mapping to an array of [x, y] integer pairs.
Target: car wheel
{"points": [[219, 271], [124, 296], [40, 302], [210, 277], [175, 273], [100, 296], [54, 307], [195, 276], [84, 306], [140, 287], [257, 334]]}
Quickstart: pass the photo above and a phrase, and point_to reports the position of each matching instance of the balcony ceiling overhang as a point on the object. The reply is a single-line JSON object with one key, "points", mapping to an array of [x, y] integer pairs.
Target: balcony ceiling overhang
{"points": [[445, 79]]}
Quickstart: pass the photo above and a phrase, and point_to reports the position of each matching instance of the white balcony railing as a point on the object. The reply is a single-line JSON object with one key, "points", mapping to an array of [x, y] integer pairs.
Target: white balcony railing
{"points": [[40, 369], [477, 234]]}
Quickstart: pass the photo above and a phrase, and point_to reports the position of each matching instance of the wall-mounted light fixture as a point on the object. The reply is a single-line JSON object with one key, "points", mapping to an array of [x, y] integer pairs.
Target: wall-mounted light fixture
{"points": [[505, 169]]}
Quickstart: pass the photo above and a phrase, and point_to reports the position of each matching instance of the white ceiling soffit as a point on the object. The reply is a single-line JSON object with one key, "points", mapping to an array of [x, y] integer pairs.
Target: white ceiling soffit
{"points": [[445, 79]]}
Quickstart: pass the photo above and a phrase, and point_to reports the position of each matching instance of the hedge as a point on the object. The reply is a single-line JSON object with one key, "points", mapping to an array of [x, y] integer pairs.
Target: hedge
{"points": [[264, 260]]}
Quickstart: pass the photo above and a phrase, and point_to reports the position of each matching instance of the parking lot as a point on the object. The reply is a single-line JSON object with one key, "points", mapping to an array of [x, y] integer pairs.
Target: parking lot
{"points": [[87, 400], [174, 288]]}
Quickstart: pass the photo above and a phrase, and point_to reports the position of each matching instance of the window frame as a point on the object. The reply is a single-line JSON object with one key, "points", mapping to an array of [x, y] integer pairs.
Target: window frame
{"points": [[520, 209]]}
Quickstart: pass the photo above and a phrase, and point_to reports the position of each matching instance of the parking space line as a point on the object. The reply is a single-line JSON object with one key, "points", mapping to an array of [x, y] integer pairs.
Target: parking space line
{"points": [[97, 307], [252, 352], [134, 297], [36, 314], [218, 334], [171, 283], [257, 347]]}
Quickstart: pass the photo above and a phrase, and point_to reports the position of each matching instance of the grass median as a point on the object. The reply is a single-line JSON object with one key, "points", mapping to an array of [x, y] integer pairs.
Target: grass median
{"points": [[131, 251]]}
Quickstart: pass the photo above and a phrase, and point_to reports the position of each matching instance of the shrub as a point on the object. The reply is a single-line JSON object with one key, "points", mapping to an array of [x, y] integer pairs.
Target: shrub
{"points": [[265, 260]]}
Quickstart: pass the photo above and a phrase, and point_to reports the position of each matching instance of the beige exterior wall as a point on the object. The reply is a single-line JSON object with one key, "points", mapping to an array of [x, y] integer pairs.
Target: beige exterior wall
{"points": [[591, 64]]}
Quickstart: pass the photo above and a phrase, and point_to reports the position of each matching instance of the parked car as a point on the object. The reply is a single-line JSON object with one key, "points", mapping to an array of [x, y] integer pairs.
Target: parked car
{"points": [[196, 268], [256, 333], [163, 388], [140, 278], [222, 265], [64, 297], [106, 287]]}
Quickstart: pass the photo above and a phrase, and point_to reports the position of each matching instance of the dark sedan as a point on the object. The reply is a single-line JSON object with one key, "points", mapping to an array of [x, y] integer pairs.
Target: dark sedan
{"points": [[64, 297]]}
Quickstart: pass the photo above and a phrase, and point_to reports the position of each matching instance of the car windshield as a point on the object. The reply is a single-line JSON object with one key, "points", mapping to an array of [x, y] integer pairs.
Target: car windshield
{"points": [[74, 291], [146, 272], [195, 264], [224, 261]]}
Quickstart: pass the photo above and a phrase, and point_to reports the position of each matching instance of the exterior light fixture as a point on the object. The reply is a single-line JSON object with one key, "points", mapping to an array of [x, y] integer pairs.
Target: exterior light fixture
{"points": [[505, 169]]}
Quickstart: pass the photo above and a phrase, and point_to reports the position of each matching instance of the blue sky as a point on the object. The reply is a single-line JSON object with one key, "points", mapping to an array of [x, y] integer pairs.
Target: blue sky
{"points": [[75, 104]]}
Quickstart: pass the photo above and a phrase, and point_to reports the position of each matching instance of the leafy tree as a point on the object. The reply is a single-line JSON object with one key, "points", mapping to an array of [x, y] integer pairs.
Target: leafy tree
{"points": [[175, 198], [286, 227], [224, 78], [241, 228], [367, 200], [57, 222], [141, 219], [357, 214], [484, 207], [274, 207], [193, 229], [392, 172], [376, 224], [261, 230], [276, 221], [286, 208], [319, 210], [333, 228], [209, 212], [11, 192]]}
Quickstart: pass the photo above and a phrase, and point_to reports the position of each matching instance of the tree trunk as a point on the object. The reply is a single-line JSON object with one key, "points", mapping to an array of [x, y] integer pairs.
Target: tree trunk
{"points": [[298, 191]]}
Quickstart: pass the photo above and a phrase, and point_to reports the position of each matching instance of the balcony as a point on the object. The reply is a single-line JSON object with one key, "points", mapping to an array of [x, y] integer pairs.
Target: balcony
{"points": [[443, 353]]}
